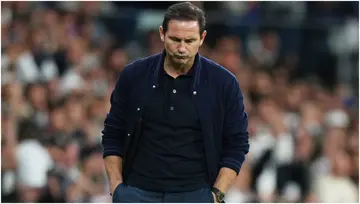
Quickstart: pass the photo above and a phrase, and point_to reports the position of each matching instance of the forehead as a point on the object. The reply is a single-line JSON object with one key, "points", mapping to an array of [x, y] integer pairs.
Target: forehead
{"points": [[183, 29]]}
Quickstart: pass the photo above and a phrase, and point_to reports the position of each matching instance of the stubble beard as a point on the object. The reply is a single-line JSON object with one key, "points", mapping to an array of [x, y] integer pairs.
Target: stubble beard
{"points": [[180, 68]]}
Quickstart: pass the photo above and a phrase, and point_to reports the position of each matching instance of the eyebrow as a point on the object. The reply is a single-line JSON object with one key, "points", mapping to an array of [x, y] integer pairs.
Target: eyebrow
{"points": [[176, 38]]}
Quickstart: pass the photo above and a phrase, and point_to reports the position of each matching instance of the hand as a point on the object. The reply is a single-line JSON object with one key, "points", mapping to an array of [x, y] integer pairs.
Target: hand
{"points": [[113, 186], [213, 194]]}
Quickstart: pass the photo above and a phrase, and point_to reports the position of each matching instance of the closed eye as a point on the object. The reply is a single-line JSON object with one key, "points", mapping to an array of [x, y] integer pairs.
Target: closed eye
{"points": [[175, 39], [189, 41]]}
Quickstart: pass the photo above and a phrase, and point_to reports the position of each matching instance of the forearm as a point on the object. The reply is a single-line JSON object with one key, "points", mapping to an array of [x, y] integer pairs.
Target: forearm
{"points": [[224, 179], [235, 137], [113, 166]]}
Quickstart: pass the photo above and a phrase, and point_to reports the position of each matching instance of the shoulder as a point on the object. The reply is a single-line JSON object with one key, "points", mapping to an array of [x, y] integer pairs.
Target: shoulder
{"points": [[215, 70], [141, 66]]}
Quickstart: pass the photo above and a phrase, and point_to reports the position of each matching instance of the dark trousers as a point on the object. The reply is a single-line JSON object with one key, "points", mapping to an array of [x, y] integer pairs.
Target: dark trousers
{"points": [[129, 194]]}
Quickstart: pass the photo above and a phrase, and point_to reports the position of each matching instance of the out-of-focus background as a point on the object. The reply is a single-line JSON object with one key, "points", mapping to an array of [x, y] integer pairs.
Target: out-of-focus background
{"points": [[297, 65]]}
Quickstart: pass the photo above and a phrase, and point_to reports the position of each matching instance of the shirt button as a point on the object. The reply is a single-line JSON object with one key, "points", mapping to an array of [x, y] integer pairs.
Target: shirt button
{"points": [[128, 134], [194, 92], [138, 109], [174, 90], [172, 108], [154, 86]]}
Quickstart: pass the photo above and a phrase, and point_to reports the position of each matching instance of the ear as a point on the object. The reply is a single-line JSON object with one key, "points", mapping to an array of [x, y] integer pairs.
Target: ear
{"points": [[162, 34], [202, 37]]}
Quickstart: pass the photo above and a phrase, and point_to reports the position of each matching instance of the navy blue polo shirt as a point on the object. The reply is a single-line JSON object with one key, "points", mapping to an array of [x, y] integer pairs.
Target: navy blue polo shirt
{"points": [[171, 155]]}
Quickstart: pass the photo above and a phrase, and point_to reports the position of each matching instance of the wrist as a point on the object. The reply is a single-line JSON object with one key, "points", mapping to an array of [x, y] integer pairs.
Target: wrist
{"points": [[115, 183], [113, 186], [219, 195]]}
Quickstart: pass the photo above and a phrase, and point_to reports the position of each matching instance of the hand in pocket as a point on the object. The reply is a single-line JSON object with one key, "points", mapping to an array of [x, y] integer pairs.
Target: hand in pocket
{"points": [[115, 194]]}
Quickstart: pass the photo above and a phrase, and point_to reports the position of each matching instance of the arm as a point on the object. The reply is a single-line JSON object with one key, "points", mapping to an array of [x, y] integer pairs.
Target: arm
{"points": [[224, 179], [235, 137], [114, 133], [113, 166]]}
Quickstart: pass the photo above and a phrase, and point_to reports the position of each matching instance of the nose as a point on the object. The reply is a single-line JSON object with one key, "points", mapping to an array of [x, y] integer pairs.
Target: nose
{"points": [[182, 48]]}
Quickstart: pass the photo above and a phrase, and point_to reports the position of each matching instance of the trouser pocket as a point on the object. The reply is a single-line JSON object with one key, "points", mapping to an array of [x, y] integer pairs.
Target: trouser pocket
{"points": [[117, 191]]}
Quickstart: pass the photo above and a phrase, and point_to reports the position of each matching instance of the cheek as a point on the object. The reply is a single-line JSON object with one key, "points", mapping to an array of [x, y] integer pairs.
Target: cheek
{"points": [[194, 47], [167, 47], [168, 42]]}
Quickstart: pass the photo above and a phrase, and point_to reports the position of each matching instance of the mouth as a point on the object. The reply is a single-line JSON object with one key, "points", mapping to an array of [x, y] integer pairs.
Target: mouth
{"points": [[180, 57]]}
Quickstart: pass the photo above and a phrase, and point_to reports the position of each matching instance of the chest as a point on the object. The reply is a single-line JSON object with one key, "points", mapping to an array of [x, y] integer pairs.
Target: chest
{"points": [[177, 97], [173, 103]]}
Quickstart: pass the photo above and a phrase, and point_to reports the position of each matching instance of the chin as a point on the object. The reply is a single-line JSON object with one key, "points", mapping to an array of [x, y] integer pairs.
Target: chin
{"points": [[181, 61]]}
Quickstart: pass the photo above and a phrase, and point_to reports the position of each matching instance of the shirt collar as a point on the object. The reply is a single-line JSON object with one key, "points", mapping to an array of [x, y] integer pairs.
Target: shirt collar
{"points": [[193, 72]]}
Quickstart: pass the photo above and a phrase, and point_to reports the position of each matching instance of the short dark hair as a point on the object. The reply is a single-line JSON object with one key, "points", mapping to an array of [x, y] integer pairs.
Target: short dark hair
{"points": [[184, 11]]}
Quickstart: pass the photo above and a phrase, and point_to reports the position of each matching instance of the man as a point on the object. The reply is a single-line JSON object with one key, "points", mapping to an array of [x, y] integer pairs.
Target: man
{"points": [[177, 129]]}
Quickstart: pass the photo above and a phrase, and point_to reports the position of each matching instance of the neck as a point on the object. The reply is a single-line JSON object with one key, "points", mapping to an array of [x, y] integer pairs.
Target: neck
{"points": [[175, 69]]}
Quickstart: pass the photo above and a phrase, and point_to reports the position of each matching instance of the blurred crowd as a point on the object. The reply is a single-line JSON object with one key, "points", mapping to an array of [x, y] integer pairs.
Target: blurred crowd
{"points": [[59, 64]]}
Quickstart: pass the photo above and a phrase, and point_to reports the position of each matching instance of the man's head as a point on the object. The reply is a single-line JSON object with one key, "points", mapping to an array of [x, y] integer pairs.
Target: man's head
{"points": [[183, 32]]}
